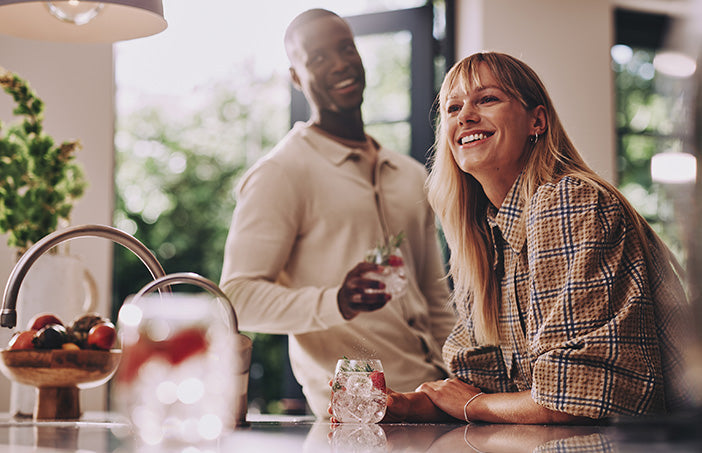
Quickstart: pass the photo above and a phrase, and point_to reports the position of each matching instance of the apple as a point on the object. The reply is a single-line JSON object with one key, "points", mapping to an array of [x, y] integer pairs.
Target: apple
{"points": [[102, 336], [41, 320], [51, 336], [22, 340]]}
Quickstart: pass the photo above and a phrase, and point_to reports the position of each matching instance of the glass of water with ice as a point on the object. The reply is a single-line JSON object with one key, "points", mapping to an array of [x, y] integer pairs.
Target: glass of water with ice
{"points": [[393, 274], [358, 391]]}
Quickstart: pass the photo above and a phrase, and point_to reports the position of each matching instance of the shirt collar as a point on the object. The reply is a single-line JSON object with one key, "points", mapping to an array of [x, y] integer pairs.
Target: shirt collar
{"points": [[509, 218], [337, 153]]}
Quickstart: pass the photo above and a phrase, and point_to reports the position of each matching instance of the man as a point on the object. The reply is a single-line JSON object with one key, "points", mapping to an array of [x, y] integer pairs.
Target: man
{"points": [[307, 213]]}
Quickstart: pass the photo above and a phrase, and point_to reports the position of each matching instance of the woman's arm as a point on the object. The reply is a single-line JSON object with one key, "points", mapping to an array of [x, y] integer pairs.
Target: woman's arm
{"points": [[449, 397]]}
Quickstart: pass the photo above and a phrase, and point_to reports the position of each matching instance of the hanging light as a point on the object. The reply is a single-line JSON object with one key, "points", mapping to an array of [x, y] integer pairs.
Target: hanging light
{"points": [[75, 11], [101, 21]]}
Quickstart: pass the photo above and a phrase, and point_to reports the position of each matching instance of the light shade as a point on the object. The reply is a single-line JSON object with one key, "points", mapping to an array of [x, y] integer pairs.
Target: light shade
{"points": [[674, 168], [118, 20]]}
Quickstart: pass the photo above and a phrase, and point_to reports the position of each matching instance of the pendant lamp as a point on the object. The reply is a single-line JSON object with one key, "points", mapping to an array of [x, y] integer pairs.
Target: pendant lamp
{"points": [[102, 21]]}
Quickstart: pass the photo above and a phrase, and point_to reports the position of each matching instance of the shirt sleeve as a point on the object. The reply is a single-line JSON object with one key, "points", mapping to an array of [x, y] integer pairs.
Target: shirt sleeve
{"points": [[590, 322], [481, 366], [263, 231]]}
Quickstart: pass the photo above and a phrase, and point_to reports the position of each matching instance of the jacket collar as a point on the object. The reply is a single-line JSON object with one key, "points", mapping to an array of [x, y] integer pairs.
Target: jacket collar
{"points": [[509, 218]]}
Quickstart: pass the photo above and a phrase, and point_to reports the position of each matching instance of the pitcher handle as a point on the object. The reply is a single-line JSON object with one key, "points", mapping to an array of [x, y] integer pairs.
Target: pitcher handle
{"points": [[90, 290]]}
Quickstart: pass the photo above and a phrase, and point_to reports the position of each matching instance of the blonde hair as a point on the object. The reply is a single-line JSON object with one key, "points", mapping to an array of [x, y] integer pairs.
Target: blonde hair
{"points": [[459, 201]]}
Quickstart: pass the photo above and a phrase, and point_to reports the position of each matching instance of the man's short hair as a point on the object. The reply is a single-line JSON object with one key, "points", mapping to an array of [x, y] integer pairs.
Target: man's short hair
{"points": [[300, 21]]}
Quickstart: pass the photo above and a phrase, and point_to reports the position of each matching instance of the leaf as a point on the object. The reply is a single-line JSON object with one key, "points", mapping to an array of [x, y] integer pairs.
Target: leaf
{"points": [[39, 182]]}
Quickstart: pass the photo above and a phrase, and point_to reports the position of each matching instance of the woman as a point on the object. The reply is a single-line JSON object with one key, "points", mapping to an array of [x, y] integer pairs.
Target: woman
{"points": [[569, 304]]}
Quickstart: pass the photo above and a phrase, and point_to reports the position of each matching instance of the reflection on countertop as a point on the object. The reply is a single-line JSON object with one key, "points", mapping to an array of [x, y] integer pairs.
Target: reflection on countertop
{"points": [[111, 433]]}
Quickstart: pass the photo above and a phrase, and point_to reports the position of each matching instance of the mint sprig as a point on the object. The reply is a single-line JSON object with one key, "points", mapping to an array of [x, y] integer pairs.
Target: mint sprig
{"points": [[357, 368], [382, 252]]}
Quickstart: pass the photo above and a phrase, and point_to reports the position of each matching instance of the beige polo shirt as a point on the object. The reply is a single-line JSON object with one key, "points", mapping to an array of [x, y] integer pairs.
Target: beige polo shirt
{"points": [[306, 214]]}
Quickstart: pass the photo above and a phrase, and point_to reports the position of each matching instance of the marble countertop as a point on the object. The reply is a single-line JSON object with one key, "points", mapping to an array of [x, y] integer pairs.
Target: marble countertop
{"points": [[110, 433]]}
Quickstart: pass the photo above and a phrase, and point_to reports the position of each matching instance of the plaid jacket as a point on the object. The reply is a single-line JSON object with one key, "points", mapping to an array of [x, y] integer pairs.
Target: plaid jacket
{"points": [[584, 322]]}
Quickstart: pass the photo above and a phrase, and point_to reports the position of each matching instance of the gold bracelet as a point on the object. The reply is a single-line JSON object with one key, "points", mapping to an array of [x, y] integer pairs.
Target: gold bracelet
{"points": [[465, 406]]}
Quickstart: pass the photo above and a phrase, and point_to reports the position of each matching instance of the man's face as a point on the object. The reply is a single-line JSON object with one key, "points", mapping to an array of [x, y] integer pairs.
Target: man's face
{"points": [[327, 67]]}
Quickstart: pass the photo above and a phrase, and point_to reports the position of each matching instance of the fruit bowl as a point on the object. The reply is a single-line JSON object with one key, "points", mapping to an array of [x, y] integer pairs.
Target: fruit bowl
{"points": [[58, 375]]}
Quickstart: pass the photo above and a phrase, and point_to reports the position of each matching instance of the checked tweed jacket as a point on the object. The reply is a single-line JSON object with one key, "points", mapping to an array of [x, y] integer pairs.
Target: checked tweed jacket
{"points": [[585, 323]]}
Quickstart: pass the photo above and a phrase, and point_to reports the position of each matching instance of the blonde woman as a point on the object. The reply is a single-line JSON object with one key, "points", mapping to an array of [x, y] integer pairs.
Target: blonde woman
{"points": [[569, 304]]}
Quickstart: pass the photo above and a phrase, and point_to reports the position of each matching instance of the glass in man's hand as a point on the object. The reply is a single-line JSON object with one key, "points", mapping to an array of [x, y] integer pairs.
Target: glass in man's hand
{"points": [[393, 274], [358, 391]]}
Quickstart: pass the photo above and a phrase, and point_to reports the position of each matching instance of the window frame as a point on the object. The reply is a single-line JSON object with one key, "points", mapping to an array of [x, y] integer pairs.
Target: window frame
{"points": [[425, 49]]}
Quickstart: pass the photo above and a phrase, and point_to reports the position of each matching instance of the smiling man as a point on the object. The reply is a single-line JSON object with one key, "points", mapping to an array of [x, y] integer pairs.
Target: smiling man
{"points": [[308, 212]]}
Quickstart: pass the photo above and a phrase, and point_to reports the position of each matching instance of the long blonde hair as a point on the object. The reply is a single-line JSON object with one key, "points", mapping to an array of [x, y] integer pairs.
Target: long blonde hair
{"points": [[460, 203]]}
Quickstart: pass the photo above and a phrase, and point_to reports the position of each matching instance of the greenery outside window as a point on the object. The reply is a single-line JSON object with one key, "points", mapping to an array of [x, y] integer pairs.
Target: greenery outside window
{"points": [[652, 110]]}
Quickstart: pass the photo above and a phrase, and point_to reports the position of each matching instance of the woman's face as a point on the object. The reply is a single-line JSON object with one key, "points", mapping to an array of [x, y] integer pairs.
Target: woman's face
{"points": [[488, 130]]}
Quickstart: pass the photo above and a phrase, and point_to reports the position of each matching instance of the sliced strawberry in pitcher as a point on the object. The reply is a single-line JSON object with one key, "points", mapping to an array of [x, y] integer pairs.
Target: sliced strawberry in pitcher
{"points": [[185, 344]]}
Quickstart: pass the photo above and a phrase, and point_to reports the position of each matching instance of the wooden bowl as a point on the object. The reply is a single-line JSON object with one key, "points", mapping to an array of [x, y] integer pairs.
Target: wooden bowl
{"points": [[58, 374]]}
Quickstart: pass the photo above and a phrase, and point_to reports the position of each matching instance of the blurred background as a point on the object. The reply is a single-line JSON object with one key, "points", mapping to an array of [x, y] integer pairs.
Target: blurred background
{"points": [[170, 122]]}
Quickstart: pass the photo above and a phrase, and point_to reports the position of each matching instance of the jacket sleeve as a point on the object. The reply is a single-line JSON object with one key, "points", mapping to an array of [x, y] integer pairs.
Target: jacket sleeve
{"points": [[262, 234], [590, 324]]}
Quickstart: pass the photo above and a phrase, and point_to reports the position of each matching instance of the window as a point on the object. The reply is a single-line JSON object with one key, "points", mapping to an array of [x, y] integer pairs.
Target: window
{"points": [[652, 111], [401, 51]]}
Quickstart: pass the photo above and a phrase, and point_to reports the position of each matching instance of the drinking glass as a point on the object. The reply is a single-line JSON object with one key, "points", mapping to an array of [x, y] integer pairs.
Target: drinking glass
{"points": [[392, 274], [175, 379], [366, 438], [358, 391]]}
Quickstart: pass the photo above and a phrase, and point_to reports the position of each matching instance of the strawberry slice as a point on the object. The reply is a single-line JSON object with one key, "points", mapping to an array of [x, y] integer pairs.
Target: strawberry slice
{"points": [[378, 379], [395, 261], [184, 344], [133, 357]]}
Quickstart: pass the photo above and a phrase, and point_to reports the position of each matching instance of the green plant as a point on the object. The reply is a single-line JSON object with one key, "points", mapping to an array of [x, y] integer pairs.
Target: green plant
{"points": [[39, 181]]}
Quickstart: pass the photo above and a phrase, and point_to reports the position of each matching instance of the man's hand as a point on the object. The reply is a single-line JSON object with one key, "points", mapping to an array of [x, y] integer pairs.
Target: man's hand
{"points": [[353, 296]]}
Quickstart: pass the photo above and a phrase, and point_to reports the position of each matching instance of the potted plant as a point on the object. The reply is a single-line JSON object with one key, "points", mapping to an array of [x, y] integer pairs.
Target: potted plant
{"points": [[39, 180], [39, 183]]}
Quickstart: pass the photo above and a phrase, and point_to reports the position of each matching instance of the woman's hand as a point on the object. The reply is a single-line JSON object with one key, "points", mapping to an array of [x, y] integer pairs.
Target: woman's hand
{"points": [[449, 395], [412, 407]]}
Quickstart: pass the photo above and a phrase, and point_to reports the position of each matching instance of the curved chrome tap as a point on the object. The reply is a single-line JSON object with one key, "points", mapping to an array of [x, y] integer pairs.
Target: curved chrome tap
{"points": [[8, 316], [193, 279]]}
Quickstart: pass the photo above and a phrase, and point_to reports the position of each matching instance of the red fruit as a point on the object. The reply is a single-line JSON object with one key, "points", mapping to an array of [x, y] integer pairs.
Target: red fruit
{"points": [[41, 320], [184, 344], [133, 357], [22, 340], [102, 336], [395, 261], [378, 379]]}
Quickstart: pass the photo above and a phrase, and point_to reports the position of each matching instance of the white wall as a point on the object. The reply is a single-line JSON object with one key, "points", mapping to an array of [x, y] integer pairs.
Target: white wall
{"points": [[76, 83], [567, 43]]}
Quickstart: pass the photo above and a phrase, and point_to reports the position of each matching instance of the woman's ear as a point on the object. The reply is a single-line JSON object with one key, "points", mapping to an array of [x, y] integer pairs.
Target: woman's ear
{"points": [[539, 122]]}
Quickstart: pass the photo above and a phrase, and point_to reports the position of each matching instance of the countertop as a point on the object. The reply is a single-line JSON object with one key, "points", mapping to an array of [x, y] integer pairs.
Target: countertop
{"points": [[110, 433]]}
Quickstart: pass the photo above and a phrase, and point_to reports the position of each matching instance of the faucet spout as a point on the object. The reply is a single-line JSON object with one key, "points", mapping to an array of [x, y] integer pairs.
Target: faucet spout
{"points": [[8, 315]]}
